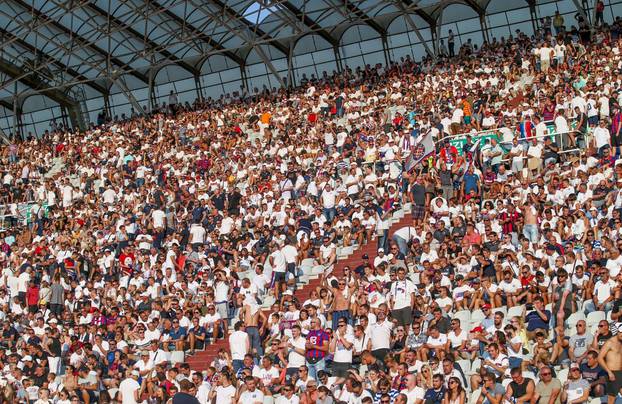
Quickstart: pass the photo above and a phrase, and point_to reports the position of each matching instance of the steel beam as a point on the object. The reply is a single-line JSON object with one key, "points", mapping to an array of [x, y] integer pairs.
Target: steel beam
{"points": [[309, 23], [54, 94], [361, 14], [154, 46], [78, 39], [254, 28], [65, 68], [250, 41], [198, 33], [415, 29]]}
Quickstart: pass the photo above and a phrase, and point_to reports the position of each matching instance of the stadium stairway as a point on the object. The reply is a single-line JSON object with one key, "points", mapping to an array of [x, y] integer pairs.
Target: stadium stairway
{"points": [[201, 360]]}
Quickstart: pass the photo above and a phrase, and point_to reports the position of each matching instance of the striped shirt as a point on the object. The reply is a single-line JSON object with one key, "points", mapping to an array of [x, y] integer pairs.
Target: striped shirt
{"points": [[316, 337]]}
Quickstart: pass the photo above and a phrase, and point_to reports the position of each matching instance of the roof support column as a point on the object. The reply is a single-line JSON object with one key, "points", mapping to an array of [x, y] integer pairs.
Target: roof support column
{"points": [[385, 49], [198, 87], [244, 79], [410, 22], [120, 82], [581, 10], [290, 66], [338, 60], [484, 25], [437, 40], [17, 114], [270, 66], [150, 92], [534, 15]]}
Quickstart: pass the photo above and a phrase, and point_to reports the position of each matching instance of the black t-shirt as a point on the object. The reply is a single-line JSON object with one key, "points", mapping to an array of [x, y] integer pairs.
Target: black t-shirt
{"points": [[184, 398], [418, 192]]}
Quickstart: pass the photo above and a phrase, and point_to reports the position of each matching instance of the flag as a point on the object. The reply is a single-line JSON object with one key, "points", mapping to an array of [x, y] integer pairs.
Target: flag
{"points": [[424, 146]]}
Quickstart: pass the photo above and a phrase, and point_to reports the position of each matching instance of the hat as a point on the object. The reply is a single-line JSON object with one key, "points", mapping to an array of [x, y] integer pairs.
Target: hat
{"points": [[144, 352], [477, 280], [478, 329], [486, 306], [135, 373], [574, 365], [27, 358], [381, 250], [365, 257], [288, 293]]}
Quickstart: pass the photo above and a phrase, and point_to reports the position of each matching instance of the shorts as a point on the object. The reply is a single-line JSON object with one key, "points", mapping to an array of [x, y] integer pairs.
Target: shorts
{"points": [[340, 369], [467, 120], [223, 309], [418, 211], [403, 316], [291, 268], [612, 388], [279, 277]]}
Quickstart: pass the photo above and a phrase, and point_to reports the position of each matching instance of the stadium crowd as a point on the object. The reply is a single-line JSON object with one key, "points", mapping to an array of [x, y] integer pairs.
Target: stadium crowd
{"points": [[151, 237]]}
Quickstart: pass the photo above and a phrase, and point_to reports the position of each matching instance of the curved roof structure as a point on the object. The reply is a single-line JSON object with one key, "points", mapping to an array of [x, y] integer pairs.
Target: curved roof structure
{"points": [[53, 47]]}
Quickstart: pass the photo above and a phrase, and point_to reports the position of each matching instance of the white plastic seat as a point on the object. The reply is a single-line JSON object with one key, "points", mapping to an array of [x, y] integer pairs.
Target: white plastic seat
{"points": [[475, 396], [549, 307], [595, 317], [477, 315], [562, 375], [464, 316], [465, 364], [571, 321], [477, 363], [177, 357], [516, 311]]}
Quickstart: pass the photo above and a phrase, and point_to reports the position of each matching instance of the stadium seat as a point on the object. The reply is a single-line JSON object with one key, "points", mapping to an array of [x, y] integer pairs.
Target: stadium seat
{"points": [[595, 317], [475, 395], [465, 365], [464, 316], [516, 311], [506, 383], [562, 375], [177, 357], [549, 307], [475, 366], [573, 318]]}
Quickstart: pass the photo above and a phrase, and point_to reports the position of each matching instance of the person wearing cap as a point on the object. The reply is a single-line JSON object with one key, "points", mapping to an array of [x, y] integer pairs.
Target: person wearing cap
{"points": [[576, 389], [129, 388]]}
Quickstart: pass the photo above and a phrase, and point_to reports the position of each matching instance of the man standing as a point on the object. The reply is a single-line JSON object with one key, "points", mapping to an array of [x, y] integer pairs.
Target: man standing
{"points": [[129, 389], [402, 298], [239, 345], [316, 348], [610, 359], [185, 396]]}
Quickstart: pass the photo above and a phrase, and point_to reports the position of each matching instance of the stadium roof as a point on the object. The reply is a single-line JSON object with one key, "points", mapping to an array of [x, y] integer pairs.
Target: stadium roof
{"points": [[93, 41]]}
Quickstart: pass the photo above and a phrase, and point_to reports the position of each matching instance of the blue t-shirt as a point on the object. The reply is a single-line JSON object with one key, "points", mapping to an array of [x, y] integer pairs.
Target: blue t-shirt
{"points": [[534, 321], [470, 182]]}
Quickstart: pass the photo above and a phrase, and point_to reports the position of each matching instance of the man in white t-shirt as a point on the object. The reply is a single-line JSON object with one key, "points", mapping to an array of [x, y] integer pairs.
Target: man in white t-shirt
{"points": [[380, 335], [129, 389], [267, 373], [239, 345], [402, 298], [603, 294], [413, 393], [252, 395], [510, 287]]}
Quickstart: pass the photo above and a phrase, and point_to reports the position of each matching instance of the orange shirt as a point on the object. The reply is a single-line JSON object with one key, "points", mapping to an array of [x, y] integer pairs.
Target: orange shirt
{"points": [[265, 117]]}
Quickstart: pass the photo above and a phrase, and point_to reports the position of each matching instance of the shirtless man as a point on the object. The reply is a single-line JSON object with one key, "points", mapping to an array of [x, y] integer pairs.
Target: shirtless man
{"points": [[252, 316], [530, 229], [610, 358], [341, 292]]}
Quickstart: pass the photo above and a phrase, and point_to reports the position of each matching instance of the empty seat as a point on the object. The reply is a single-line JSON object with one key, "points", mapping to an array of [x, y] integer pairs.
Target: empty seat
{"points": [[464, 316], [516, 311], [562, 375], [501, 309], [595, 317], [465, 365], [477, 315]]}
